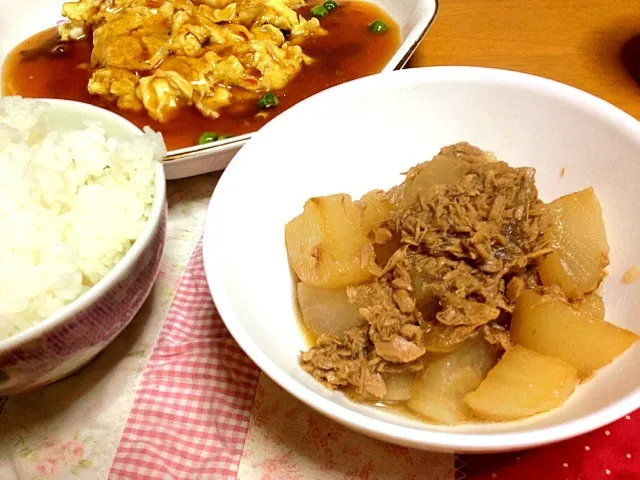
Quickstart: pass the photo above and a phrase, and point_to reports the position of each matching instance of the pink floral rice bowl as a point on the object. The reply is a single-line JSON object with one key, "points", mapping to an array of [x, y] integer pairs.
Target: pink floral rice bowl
{"points": [[62, 343]]}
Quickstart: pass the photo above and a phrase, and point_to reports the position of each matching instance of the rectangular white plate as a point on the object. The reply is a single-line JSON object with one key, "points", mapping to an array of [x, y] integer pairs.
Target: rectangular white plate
{"points": [[22, 19]]}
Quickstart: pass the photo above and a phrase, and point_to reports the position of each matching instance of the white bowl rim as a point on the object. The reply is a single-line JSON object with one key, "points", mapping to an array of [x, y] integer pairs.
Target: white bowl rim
{"points": [[475, 442], [115, 274]]}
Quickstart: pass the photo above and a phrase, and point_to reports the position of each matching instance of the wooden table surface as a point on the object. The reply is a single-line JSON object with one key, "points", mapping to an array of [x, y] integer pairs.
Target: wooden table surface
{"points": [[590, 44]]}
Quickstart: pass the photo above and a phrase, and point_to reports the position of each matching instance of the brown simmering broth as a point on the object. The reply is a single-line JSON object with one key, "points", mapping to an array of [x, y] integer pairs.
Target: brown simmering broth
{"points": [[349, 51]]}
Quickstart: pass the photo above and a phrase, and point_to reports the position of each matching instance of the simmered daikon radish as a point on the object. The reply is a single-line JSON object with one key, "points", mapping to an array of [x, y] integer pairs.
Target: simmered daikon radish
{"points": [[440, 266], [376, 208], [522, 384], [591, 304], [579, 241], [442, 170], [327, 244], [438, 391], [327, 310], [553, 327], [399, 386]]}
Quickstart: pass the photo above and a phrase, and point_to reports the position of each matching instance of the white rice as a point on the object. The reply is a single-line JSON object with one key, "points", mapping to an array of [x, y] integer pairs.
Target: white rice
{"points": [[72, 202]]}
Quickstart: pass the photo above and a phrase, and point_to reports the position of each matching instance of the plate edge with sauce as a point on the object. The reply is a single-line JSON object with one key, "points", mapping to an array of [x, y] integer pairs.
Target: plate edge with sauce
{"points": [[200, 159]]}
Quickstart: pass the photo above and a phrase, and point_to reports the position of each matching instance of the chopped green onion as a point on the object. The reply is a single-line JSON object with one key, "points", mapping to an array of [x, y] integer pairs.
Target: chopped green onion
{"points": [[223, 137], [208, 137], [268, 100], [330, 5], [378, 27], [319, 11]]}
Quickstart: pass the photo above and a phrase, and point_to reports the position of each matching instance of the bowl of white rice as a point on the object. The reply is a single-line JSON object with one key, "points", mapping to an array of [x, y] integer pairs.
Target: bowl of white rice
{"points": [[82, 230]]}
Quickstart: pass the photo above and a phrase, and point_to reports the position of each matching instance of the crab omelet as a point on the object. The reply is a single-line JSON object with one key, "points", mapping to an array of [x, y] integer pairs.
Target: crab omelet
{"points": [[160, 55]]}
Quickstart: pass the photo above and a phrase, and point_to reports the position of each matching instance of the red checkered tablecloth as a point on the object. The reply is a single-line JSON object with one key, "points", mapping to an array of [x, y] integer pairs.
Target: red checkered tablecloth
{"points": [[191, 413]]}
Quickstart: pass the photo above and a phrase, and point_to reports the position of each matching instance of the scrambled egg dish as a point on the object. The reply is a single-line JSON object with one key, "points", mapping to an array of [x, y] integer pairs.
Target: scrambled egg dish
{"points": [[160, 55]]}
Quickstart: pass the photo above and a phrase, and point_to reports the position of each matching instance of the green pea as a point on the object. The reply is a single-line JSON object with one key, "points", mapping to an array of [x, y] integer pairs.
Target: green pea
{"points": [[268, 100], [319, 11], [378, 27], [330, 5], [208, 137]]}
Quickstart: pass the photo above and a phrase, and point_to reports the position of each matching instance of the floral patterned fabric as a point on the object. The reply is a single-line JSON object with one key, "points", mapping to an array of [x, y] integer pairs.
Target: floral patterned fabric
{"points": [[289, 441]]}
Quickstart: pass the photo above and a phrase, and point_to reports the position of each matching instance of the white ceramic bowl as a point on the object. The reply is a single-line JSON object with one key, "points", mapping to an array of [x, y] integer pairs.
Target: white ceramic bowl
{"points": [[360, 136], [21, 19], [64, 342]]}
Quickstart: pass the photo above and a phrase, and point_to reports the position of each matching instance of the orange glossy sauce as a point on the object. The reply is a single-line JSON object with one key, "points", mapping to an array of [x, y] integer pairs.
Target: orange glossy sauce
{"points": [[348, 51]]}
